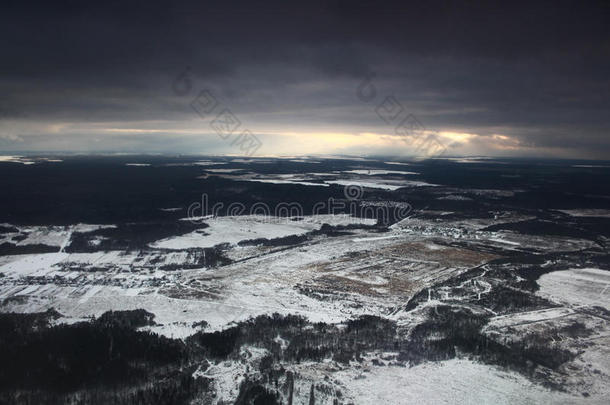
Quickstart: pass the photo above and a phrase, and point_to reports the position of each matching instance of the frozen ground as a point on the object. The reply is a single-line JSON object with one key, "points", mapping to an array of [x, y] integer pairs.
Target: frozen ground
{"points": [[433, 259], [367, 178], [262, 279], [599, 213], [327, 279], [381, 184], [449, 382], [375, 172], [45, 235], [235, 229], [577, 287]]}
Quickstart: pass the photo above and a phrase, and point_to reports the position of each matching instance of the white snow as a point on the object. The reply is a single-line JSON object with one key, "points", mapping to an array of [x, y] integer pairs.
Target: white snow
{"points": [[208, 163], [500, 240], [397, 163], [303, 161], [376, 238], [595, 213], [234, 229], [381, 184], [223, 170], [577, 286], [228, 375], [252, 161], [29, 264], [48, 235], [454, 381], [7, 158], [374, 172], [527, 317], [15, 159], [303, 183]]}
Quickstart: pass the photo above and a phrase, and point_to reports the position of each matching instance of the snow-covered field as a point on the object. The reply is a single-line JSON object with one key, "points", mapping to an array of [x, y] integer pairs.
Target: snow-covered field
{"points": [[15, 159], [261, 281], [331, 280], [594, 213], [454, 381], [577, 287], [365, 272], [367, 178], [381, 184], [289, 181], [375, 172], [46, 235], [234, 229]]}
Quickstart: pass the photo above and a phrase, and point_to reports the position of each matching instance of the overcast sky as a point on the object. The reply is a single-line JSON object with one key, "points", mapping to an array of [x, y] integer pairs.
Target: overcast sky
{"points": [[306, 78]]}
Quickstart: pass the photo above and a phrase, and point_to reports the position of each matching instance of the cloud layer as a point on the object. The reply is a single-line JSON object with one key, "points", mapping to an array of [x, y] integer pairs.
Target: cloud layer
{"points": [[516, 79]]}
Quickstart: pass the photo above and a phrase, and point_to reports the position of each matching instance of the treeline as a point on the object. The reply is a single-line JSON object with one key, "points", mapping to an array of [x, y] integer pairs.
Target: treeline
{"points": [[108, 360], [8, 248], [103, 361]]}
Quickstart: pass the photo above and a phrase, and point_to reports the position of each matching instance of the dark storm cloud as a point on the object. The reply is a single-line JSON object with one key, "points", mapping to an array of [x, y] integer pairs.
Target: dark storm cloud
{"points": [[538, 71]]}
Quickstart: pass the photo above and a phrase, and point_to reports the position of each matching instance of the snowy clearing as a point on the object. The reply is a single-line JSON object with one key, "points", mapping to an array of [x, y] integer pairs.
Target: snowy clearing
{"points": [[577, 287], [594, 213], [234, 229], [384, 185], [374, 172], [451, 382]]}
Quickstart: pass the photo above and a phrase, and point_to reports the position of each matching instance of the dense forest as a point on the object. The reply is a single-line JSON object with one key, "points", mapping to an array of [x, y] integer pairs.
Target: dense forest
{"points": [[109, 360]]}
